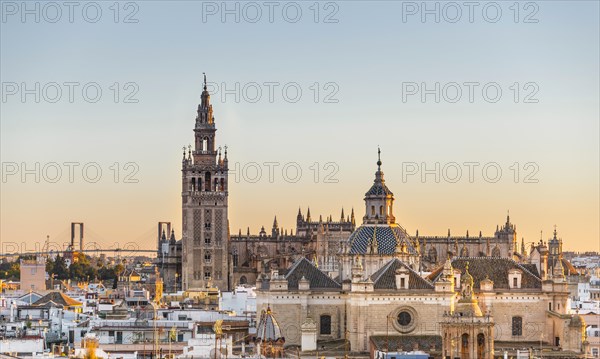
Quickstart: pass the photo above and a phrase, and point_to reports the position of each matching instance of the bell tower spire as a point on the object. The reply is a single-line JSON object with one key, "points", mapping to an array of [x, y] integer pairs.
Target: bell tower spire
{"points": [[204, 130], [204, 205]]}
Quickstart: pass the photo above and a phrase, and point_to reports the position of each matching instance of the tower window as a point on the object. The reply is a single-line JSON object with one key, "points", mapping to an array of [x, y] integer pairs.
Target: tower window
{"points": [[372, 210], [207, 181], [207, 257], [381, 210]]}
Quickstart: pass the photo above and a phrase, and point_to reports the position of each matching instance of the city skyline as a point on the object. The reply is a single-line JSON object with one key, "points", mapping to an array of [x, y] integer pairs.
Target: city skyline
{"points": [[361, 100]]}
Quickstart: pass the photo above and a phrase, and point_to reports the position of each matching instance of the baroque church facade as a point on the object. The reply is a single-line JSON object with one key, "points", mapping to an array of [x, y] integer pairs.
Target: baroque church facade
{"points": [[380, 300]]}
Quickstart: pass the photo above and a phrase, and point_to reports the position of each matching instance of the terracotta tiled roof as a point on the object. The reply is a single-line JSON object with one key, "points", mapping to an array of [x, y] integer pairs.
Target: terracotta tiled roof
{"points": [[569, 268], [57, 298], [385, 277], [435, 273], [304, 268]]}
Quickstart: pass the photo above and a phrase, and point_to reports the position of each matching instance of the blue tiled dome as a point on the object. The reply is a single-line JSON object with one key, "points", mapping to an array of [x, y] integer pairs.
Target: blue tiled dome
{"points": [[387, 237], [378, 189]]}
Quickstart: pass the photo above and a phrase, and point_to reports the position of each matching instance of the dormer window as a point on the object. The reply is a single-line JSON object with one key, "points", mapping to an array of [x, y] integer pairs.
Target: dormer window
{"points": [[402, 276], [514, 278]]}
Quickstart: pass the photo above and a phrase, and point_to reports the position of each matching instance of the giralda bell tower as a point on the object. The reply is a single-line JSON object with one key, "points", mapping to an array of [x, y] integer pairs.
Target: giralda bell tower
{"points": [[205, 257]]}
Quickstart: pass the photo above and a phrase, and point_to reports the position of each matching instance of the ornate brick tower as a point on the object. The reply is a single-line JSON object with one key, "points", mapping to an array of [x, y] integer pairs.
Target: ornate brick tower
{"points": [[204, 205]]}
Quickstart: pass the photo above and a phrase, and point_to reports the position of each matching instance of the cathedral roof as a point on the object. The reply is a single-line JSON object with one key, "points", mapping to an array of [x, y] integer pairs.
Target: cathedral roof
{"points": [[304, 268], [385, 236], [496, 269], [385, 277]]}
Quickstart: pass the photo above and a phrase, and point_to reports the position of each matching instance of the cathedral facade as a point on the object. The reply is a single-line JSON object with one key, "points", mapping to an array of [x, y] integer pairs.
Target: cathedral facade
{"points": [[380, 300]]}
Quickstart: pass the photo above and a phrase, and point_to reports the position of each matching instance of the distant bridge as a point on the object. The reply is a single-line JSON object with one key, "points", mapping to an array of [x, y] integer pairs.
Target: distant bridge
{"points": [[119, 251], [63, 244]]}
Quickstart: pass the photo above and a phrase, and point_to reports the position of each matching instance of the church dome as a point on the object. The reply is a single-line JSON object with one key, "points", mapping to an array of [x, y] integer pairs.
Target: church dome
{"points": [[379, 189], [577, 321], [380, 234], [380, 239], [268, 329]]}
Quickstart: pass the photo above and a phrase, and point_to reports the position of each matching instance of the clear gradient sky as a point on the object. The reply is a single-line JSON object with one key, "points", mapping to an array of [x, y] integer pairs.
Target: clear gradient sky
{"points": [[367, 57]]}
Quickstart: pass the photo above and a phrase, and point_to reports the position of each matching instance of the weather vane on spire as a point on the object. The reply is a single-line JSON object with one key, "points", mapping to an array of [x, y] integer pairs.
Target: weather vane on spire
{"points": [[378, 158], [204, 80]]}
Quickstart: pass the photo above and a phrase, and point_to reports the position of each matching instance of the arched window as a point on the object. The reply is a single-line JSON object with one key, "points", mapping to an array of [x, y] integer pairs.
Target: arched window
{"points": [[207, 257], [464, 346], [325, 324], [243, 280], [372, 210], [517, 326], [464, 252], [496, 252], [207, 181], [235, 258], [381, 210], [222, 186], [205, 144], [193, 184], [480, 346]]}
